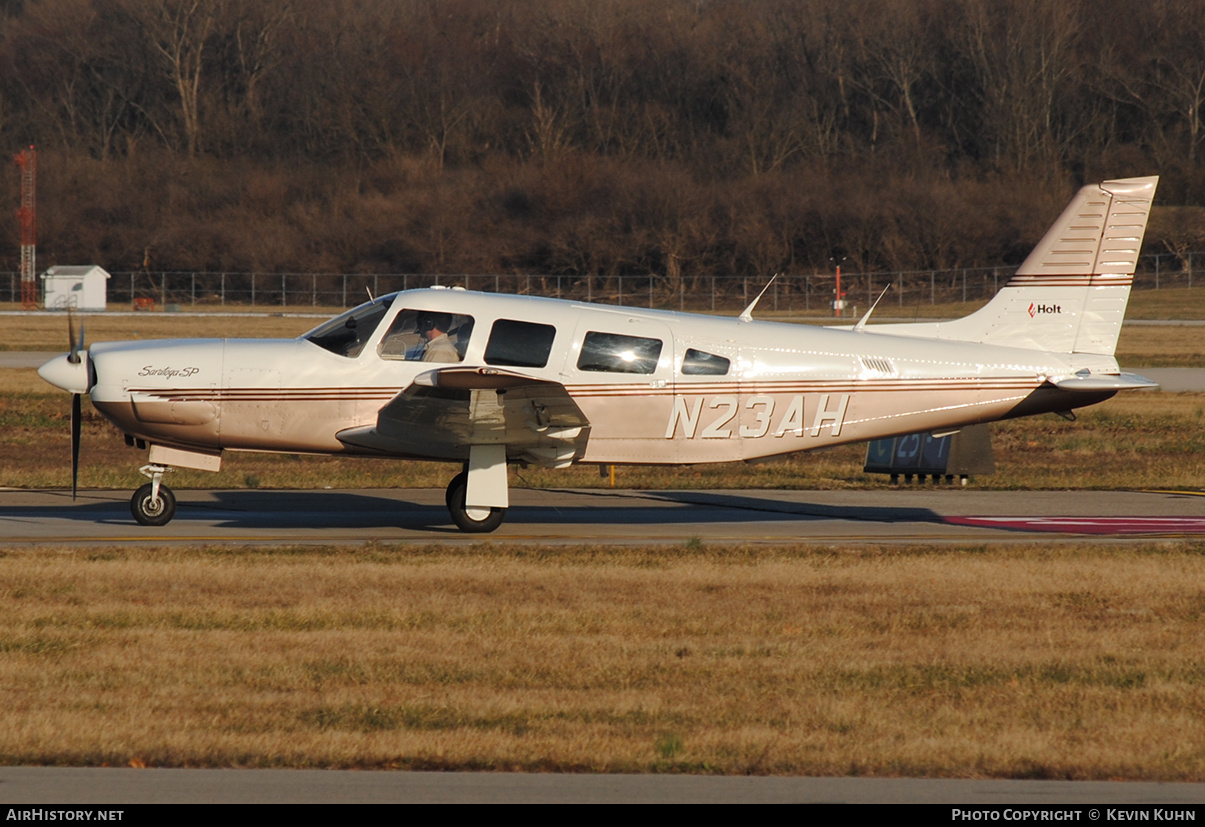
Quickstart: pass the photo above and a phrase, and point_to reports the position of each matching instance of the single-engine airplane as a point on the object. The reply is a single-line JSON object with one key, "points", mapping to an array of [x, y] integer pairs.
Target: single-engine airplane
{"points": [[486, 380]]}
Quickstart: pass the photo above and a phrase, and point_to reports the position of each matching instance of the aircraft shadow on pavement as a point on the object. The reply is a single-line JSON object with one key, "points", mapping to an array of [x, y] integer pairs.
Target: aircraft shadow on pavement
{"points": [[308, 509], [243, 509], [340, 509], [760, 508]]}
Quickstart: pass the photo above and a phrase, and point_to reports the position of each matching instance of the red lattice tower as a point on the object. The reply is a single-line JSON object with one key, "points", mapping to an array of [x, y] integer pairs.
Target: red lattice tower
{"points": [[28, 216]]}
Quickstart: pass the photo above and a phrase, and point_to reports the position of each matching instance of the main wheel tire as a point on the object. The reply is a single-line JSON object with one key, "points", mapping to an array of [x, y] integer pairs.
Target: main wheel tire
{"points": [[474, 520], [153, 512]]}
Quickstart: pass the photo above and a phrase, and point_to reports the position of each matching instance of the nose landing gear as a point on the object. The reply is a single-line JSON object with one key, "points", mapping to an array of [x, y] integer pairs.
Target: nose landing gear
{"points": [[153, 503]]}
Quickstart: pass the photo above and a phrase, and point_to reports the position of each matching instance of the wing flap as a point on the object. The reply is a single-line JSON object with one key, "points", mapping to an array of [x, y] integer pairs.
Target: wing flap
{"points": [[470, 378], [445, 411]]}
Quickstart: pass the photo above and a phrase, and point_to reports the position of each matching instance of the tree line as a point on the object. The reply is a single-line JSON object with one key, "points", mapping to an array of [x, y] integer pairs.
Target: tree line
{"points": [[682, 138]]}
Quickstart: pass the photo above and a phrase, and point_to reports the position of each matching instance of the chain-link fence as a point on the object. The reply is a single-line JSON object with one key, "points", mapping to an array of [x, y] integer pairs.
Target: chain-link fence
{"points": [[792, 293]]}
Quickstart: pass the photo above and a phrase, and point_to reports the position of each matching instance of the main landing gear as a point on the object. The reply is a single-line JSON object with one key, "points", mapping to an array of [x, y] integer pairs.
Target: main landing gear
{"points": [[153, 503], [476, 520], [483, 484]]}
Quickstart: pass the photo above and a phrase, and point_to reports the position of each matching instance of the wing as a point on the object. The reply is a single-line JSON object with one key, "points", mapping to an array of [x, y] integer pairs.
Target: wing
{"points": [[445, 411]]}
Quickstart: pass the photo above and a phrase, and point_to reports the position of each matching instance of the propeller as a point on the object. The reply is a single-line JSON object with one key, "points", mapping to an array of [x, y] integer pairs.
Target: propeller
{"points": [[73, 356], [72, 371], [76, 419], [74, 346]]}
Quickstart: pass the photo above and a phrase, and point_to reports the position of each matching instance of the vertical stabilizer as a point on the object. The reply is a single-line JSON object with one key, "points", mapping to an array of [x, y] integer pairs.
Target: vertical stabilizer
{"points": [[1070, 294]]}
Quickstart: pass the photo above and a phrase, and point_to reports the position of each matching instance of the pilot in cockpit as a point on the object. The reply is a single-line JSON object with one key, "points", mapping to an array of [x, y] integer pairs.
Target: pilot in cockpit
{"points": [[436, 346]]}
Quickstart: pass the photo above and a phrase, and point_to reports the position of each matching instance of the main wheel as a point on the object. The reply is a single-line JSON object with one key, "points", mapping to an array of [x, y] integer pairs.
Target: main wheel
{"points": [[148, 511], [471, 520]]}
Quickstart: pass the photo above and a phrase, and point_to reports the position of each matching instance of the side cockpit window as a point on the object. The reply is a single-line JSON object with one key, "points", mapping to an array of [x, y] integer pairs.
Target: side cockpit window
{"points": [[617, 353], [519, 344], [347, 334], [702, 363], [427, 336]]}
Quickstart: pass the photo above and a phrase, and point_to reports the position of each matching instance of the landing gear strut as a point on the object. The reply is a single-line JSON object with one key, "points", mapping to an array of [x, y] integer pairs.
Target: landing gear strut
{"points": [[153, 503], [470, 520]]}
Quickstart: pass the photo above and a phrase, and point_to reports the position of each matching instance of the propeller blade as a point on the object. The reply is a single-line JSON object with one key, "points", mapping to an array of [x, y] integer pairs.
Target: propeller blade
{"points": [[76, 423], [73, 356]]}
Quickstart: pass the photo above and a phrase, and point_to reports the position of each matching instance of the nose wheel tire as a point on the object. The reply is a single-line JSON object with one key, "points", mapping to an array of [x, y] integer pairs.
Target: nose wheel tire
{"points": [[150, 511], [470, 520]]}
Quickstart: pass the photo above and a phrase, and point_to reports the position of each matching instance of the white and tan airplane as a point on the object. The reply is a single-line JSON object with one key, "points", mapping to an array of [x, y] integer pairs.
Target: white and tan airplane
{"points": [[485, 380]]}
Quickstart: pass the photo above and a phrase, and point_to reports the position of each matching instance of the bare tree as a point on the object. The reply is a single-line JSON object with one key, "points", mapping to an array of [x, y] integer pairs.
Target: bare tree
{"points": [[895, 57], [1177, 72], [179, 31], [1024, 64]]}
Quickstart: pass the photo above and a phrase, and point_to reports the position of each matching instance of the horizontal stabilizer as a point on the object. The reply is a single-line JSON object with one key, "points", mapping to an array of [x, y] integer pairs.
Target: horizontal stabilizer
{"points": [[1104, 382]]}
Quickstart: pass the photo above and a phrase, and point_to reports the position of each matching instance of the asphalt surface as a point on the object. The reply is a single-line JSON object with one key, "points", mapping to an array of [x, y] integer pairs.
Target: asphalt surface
{"points": [[1175, 380], [918, 513], [59, 786]]}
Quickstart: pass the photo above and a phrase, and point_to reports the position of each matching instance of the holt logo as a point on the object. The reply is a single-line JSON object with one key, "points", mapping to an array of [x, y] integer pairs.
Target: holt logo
{"points": [[1035, 309]]}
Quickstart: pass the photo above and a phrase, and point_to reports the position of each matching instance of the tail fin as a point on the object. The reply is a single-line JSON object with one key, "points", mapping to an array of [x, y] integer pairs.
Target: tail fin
{"points": [[1070, 294]]}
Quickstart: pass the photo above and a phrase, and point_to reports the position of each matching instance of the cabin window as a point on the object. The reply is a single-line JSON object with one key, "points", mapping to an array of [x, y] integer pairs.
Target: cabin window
{"points": [[347, 334], [616, 353], [519, 344], [701, 363], [427, 336]]}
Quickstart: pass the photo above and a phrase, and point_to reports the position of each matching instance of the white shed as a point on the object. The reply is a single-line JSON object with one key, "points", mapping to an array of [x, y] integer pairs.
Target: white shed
{"points": [[83, 288]]}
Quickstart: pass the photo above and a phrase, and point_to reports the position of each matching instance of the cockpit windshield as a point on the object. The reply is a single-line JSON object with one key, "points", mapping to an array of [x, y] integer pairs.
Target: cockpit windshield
{"points": [[347, 334]]}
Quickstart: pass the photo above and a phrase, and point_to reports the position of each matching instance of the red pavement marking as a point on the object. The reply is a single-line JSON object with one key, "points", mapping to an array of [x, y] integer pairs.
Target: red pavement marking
{"points": [[1089, 525]]}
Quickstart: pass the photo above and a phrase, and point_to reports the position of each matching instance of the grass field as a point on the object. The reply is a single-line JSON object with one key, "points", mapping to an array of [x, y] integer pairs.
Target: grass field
{"points": [[1079, 662]]}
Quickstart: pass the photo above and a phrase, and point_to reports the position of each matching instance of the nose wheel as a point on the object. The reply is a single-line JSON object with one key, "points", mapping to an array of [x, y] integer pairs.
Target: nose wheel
{"points": [[153, 503]]}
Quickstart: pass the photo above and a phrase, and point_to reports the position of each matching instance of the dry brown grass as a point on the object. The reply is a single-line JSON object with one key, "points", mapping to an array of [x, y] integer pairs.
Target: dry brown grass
{"points": [[1178, 346], [1168, 303], [1018, 662], [49, 332]]}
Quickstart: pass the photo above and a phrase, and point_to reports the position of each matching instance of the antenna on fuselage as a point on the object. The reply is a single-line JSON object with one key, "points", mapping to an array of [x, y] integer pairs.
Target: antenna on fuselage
{"points": [[862, 321], [368, 290], [747, 313]]}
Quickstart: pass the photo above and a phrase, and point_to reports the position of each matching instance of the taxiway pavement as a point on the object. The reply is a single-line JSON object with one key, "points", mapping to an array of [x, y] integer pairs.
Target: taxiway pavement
{"points": [[62, 785], [918, 513]]}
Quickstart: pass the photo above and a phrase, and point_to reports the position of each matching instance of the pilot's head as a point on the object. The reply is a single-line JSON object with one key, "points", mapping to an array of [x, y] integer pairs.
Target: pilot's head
{"points": [[433, 324]]}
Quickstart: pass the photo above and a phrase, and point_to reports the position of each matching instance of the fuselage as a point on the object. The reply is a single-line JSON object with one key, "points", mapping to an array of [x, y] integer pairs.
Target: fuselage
{"points": [[655, 387]]}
